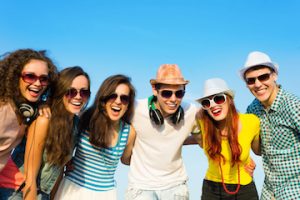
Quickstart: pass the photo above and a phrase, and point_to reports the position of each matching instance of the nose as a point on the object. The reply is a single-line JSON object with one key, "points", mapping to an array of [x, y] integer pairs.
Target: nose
{"points": [[118, 100], [173, 97], [257, 83], [37, 82]]}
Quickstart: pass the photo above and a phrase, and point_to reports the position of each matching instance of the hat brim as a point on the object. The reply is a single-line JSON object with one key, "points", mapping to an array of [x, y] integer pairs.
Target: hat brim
{"points": [[169, 82], [273, 66]]}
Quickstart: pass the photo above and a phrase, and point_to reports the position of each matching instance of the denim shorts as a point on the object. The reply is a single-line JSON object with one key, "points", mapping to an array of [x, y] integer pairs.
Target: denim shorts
{"points": [[214, 190], [10, 194], [178, 192]]}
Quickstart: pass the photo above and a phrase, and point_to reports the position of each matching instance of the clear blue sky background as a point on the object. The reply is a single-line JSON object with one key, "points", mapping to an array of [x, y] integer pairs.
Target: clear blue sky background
{"points": [[205, 38]]}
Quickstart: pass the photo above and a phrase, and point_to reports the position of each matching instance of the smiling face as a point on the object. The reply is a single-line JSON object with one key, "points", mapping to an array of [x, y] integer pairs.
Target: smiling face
{"points": [[74, 104], [218, 111], [168, 105], [33, 89], [265, 91], [117, 103]]}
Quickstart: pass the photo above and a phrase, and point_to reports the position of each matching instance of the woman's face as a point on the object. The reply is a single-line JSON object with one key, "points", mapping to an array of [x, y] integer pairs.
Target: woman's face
{"points": [[217, 106], [117, 103], [34, 80], [77, 95]]}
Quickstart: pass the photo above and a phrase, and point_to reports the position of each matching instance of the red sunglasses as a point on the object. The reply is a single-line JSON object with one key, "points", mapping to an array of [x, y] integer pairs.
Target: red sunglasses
{"points": [[72, 92], [32, 78]]}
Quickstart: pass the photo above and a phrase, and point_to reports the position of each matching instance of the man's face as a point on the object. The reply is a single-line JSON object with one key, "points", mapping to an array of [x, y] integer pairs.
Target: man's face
{"points": [[262, 84], [169, 98]]}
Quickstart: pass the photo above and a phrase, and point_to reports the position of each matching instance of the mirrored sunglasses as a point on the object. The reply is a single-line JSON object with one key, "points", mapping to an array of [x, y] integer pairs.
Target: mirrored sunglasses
{"points": [[168, 93], [32, 78], [124, 98], [218, 99], [72, 92], [261, 78]]}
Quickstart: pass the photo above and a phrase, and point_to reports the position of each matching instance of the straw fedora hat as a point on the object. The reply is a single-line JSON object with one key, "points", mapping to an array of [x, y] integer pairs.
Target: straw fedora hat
{"points": [[169, 74], [257, 58], [215, 86]]}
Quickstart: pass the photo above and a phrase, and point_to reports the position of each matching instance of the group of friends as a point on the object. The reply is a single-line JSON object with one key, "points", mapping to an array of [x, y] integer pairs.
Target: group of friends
{"points": [[53, 147]]}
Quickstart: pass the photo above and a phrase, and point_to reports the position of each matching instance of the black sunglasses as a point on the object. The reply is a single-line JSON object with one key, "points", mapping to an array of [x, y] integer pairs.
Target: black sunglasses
{"points": [[31, 78], [261, 78], [168, 93], [72, 92], [124, 98], [218, 99]]}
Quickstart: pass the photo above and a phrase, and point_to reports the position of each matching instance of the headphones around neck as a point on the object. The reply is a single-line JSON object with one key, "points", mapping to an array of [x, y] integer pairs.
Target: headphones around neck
{"points": [[157, 117], [28, 111]]}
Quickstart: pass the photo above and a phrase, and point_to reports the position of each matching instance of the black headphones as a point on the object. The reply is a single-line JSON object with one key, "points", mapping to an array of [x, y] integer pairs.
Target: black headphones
{"points": [[156, 116], [28, 111]]}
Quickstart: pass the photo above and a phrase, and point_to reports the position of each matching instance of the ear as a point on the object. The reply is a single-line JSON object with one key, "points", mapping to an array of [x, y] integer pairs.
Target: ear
{"points": [[154, 91], [275, 76]]}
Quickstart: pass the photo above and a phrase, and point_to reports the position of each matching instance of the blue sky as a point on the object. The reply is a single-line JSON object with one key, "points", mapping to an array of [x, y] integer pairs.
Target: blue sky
{"points": [[205, 38]]}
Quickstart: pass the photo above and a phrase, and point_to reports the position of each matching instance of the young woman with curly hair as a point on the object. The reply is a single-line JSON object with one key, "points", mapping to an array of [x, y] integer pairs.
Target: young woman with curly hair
{"points": [[105, 135], [50, 141], [226, 137], [25, 76]]}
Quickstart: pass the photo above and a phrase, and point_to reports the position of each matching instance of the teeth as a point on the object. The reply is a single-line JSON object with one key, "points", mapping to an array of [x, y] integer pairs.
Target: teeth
{"points": [[76, 103], [216, 111], [172, 105], [34, 90], [116, 108]]}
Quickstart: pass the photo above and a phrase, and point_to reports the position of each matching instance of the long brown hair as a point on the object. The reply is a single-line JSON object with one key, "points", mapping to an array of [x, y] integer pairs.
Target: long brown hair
{"points": [[213, 136], [95, 118], [60, 138]]}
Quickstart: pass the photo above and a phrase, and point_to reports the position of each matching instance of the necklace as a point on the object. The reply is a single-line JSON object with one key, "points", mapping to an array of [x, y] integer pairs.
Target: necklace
{"points": [[224, 186]]}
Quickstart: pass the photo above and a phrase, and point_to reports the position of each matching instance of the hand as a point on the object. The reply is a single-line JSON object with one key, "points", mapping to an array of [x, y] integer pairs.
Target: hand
{"points": [[69, 167], [250, 167], [44, 110]]}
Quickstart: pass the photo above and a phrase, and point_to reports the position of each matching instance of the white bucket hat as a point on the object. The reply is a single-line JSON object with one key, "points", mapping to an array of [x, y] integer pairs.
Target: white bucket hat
{"points": [[257, 58], [215, 86]]}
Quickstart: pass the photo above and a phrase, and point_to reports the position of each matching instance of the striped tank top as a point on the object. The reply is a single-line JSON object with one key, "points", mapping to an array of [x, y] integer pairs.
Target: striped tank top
{"points": [[94, 167]]}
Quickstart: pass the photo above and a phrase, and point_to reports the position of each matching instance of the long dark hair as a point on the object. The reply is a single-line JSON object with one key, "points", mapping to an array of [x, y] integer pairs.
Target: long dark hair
{"points": [[213, 136], [95, 118], [11, 67], [60, 139]]}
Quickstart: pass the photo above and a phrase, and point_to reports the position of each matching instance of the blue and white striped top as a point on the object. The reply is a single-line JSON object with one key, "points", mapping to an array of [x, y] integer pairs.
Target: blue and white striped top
{"points": [[94, 167]]}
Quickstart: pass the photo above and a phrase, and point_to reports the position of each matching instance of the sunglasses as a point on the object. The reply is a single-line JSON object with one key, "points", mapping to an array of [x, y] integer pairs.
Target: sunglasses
{"points": [[218, 99], [124, 98], [261, 78], [32, 78], [72, 92], [168, 93]]}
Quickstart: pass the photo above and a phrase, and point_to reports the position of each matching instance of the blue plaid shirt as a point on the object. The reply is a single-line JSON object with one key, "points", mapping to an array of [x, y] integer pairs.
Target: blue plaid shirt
{"points": [[280, 143]]}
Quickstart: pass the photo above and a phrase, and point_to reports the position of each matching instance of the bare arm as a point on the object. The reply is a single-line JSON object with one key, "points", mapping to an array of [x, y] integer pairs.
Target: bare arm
{"points": [[255, 146], [126, 157], [36, 137]]}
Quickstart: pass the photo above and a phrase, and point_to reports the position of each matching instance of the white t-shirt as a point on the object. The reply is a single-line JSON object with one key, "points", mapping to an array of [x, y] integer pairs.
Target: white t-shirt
{"points": [[156, 161]]}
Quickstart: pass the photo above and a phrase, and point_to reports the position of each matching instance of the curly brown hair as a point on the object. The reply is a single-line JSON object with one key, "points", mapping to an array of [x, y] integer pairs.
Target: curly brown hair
{"points": [[60, 138], [96, 120], [11, 67]]}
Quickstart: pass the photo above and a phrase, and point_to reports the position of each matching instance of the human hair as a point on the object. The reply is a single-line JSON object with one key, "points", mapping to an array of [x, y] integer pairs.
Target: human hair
{"points": [[159, 85], [11, 67], [59, 141], [213, 136], [96, 120]]}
